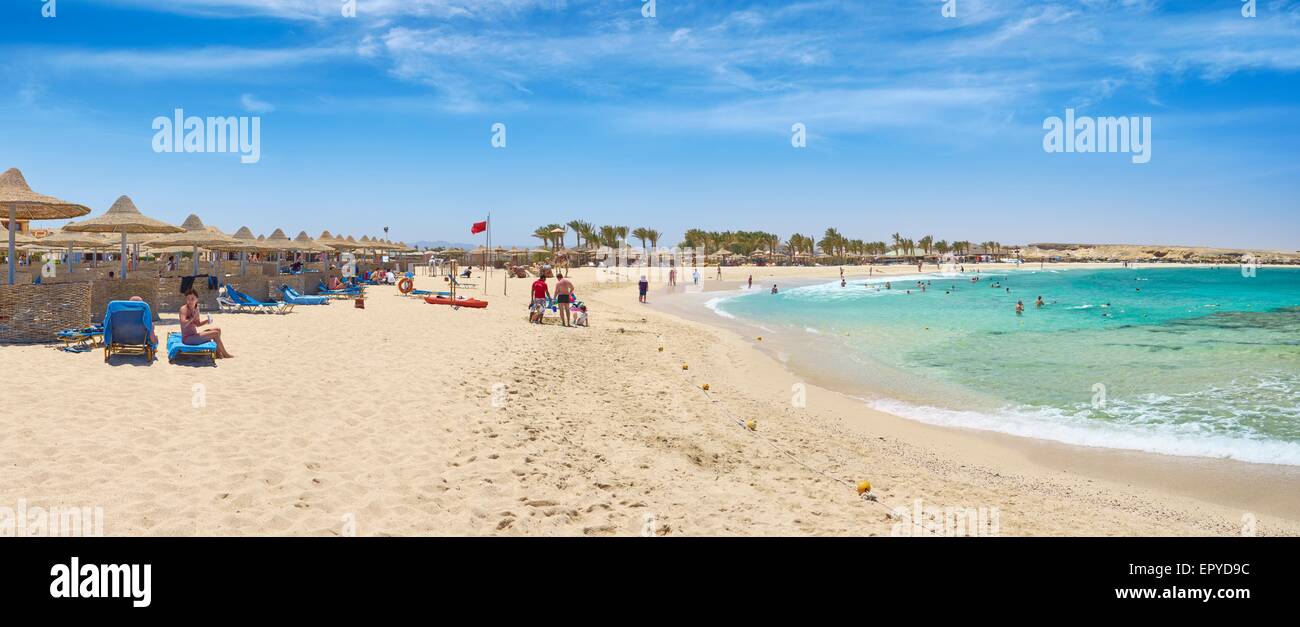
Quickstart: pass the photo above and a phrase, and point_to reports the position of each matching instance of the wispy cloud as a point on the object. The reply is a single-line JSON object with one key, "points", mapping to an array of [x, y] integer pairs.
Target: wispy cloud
{"points": [[252, 104], [191, 62]]}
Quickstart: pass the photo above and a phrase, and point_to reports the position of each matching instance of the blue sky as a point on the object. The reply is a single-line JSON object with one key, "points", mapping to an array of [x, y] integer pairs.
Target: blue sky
{"points": [[916, 123]]}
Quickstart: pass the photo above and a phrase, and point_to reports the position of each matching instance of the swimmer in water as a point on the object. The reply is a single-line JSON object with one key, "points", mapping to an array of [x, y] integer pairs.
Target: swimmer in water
{"points": [[1040, 302], [1020, 307]]}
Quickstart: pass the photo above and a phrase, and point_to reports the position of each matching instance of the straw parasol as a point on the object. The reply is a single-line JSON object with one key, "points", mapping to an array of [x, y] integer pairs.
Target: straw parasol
{"points": [[249, 244], [122, 218], [307, 244], [64, 239], [333, 242], [278, 241], [196, 236], [20, 203]]}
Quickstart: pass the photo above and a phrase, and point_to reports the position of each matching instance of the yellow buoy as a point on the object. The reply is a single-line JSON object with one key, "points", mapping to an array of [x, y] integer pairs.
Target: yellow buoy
{"points": [[705, 387], [864, 486], [752, 425]]}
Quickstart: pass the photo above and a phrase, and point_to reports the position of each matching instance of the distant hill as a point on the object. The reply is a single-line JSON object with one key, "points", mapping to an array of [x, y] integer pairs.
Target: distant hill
{"points": [[1137, 252]]}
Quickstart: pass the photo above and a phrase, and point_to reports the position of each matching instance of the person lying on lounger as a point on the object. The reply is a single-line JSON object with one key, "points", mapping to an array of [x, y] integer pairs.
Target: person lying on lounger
{"points": [[191, 321], [334, 284]]}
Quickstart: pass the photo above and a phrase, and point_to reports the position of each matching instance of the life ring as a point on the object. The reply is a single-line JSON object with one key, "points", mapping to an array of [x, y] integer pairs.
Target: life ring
{"points": [[406, 285]]}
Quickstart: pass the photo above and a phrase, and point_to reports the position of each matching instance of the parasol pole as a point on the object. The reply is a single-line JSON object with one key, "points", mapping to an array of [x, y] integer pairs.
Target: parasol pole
{"points": [[13, 234], [123, 275]]}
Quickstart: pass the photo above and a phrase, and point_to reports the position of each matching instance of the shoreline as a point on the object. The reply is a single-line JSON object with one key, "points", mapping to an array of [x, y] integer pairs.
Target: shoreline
{"points": [[1250, 486]]}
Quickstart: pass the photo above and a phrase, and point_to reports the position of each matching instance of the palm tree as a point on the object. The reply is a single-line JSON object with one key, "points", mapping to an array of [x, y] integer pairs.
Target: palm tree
{"points": [[642, 234], [580, 230], [927, 243], [544, 233], [898, 243]]}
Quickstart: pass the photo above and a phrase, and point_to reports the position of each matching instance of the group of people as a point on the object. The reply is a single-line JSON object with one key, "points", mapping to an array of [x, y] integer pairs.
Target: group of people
{"points": [[565, 297]]}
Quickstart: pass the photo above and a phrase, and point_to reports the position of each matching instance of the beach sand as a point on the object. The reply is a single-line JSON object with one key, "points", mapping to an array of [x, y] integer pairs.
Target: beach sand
{"points": [[411, 419]]}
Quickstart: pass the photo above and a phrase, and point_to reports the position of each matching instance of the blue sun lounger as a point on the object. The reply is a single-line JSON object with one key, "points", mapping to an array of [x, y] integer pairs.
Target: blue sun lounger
{"points": [[177, 348], [81, 339], [348, 292], [294, 297], [252, 304], [128, 325]]}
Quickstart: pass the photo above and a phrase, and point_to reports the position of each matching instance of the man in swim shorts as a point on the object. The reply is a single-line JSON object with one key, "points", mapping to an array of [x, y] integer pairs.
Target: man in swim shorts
{"points": [[563, 297]]}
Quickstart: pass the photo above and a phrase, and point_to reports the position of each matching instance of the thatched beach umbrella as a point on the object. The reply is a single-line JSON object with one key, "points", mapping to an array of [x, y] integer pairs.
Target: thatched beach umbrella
{"points": [[249, 244], [65, 239], [307, 244], [19, 202], [122, 218], [278, 242], [196, 236]]}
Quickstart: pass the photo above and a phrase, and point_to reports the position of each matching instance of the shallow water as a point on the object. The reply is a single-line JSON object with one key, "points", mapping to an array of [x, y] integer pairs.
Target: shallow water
{"points": [[1184, 361]]}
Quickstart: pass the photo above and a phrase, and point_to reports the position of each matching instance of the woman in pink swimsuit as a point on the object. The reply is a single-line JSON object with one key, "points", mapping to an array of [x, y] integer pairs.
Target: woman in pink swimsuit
{"points": [[190, 323]]}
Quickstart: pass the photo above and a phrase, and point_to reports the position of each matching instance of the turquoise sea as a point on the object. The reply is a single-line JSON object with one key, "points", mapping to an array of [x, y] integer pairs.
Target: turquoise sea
{"points": [[1181, 361]]}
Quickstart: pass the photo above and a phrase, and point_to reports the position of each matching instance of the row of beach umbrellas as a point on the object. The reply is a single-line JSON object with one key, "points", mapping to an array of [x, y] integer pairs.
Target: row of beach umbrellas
{"points": [[19, 202]]}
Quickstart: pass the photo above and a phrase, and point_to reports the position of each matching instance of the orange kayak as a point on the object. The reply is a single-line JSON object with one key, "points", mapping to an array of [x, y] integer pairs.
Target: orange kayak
{"points": [[473, 303]]}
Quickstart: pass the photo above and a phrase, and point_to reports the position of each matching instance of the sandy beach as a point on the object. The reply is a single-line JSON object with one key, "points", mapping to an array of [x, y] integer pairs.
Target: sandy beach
{"points": [[405, 418]]}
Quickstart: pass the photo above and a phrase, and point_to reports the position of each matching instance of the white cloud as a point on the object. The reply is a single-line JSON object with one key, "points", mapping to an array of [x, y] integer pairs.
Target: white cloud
{"points": [[185, 62], [252, 104]]}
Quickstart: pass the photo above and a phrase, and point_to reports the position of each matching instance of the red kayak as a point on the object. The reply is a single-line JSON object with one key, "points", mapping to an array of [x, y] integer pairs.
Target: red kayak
{"points": [[473, 303]]}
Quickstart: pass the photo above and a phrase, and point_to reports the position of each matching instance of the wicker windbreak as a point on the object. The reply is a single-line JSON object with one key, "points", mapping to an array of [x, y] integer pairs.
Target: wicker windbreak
{"points": [[146, 287], [34, 313]]}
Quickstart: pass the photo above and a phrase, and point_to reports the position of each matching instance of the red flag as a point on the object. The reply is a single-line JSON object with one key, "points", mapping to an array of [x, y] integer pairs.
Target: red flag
{"points": [[478, 227]]}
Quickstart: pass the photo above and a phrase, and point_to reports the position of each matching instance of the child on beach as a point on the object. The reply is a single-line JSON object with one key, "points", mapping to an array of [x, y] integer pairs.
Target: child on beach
{"points": [[642, 286], [581, 321]]}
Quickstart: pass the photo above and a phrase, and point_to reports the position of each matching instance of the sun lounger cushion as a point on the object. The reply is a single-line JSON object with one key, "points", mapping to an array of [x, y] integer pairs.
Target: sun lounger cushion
{"points": [[176, 348]]}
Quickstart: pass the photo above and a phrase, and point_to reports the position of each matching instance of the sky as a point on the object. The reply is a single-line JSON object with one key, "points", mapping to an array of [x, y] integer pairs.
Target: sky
{"points": [[915, 122]]}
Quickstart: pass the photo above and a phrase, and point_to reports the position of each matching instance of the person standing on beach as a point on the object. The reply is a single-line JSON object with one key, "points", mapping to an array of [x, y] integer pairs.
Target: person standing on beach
{"points": [[719, 270], [695, 276], [751, 282], [541, 294], [563, 297], [643, 286], [672, 276]]}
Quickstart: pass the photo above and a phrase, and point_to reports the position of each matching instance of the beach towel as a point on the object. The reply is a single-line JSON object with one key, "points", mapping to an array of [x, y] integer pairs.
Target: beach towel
{"points": [[128, 322], [128, 327], [176, 347]]}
